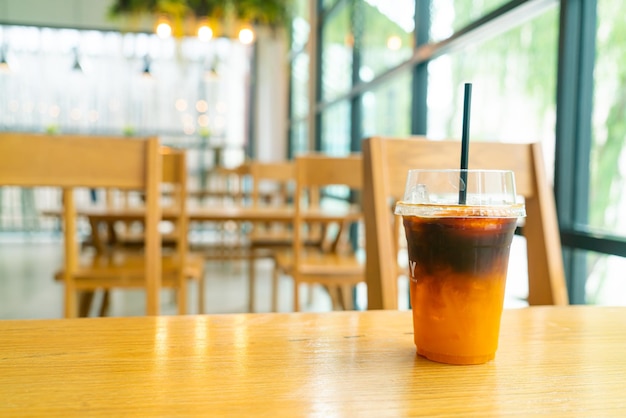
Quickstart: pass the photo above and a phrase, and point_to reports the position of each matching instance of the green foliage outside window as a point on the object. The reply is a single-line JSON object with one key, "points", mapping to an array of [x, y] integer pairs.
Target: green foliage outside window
{"points": [[608, 185]]}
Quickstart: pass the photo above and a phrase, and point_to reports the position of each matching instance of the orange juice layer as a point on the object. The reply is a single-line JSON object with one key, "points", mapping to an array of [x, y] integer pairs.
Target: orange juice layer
{"points": [[458, 273], [457, 319]]}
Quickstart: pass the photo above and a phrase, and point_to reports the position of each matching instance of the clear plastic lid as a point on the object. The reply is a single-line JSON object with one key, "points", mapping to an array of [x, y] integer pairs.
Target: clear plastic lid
{"points": [[452, 211], [454, 193]]}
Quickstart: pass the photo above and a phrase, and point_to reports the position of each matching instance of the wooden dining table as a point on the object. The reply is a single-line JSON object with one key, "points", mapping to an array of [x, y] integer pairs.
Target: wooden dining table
{"points": [[222, 213], [101, 238], [552, 361], [232, 213]]}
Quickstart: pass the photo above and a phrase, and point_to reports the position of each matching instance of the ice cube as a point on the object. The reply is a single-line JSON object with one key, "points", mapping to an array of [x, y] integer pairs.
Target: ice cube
{"points": [[419, 194]]}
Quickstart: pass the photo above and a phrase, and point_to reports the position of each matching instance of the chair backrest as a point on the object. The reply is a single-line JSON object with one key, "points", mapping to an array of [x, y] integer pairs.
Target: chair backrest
{"points": [[278, 176], [386, 162], [69, 161], [319, 170], [174, 175], [315, 172], [228, 185]]}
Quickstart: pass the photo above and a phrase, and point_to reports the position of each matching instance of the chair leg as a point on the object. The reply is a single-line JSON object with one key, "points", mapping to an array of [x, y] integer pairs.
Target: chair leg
{"points": [[251, 280], [334, 292], [296, 296], [347, 302], [85, 299], [106, 301], [69, 307], [309, 295], [181, 297], [275, 279], [201, 285]]}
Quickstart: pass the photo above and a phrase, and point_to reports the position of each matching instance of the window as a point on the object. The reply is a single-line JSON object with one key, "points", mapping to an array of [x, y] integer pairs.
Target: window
{"points": [[299, 80], [300, 85], [450, 16], [515, 70], [337, 41], [607, 195], [386, 108], [605, 278], [600, 276], [542, 70], [299, 141], [336, 129], [386, 37]]}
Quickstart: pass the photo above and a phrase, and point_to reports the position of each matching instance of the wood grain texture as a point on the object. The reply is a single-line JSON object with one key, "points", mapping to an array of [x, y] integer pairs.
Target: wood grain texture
{"points": [[29, 159], [219, 214], [69, 161], [557, 361]]}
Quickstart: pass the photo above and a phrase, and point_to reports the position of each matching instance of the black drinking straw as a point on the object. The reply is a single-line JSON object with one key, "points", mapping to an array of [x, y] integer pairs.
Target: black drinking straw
{"points": [[465, 144]]}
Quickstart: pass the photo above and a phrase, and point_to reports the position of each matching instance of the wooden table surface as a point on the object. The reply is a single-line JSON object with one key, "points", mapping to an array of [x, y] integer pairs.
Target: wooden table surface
{"points": [[220, 213], [234, 213], [271, 214], [565, 361]]}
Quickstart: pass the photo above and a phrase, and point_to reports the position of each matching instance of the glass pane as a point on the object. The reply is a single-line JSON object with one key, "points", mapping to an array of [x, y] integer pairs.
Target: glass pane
{"points": [[300, 25], [299, 138], [337, 44], [336, 129], [606, 283], [608, 153], [447, 17], [514, 87], [387, 109], [300, 85], [387, 37], [327, 4]]}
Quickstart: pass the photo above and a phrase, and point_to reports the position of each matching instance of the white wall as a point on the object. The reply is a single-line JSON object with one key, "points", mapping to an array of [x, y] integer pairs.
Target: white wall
{"points": [[270, 135], [271, 97]]}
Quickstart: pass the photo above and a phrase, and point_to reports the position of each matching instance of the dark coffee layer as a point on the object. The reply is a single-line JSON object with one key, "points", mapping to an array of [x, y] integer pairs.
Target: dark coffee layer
{"points": [[472, 246]]}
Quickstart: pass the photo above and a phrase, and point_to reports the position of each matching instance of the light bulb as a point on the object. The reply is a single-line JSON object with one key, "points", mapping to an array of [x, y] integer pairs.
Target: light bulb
{"points": [[394, 43], [163, 28], [205, 33], [246, 36]]}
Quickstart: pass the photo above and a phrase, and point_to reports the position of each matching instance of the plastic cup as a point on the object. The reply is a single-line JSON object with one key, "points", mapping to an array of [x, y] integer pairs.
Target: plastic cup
{"points": [[458, 259]]}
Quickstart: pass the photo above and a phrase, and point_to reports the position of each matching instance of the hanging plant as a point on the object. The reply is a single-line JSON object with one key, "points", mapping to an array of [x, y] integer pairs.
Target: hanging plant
{"points": [[272, 13], [129, 7], [264, 12]]}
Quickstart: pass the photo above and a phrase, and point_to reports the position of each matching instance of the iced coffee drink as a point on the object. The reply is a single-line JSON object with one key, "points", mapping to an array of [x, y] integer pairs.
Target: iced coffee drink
{"points": [[458, 260]]}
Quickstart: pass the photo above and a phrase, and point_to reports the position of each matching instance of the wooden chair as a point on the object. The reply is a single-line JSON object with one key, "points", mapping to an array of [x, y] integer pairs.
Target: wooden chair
{"points": [[124, 263], [333, 266], [277, 181], [30, 160], [225, 187], [180, 264], [386, 162]]}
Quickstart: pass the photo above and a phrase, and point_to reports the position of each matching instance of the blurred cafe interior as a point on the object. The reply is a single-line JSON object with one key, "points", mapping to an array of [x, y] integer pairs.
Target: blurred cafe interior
{"points": [[245, 85]]}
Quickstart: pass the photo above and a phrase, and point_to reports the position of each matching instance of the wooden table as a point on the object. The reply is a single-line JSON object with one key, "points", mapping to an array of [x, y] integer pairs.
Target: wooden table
{"points": [[239, 214], [108, 217], [219, 214], [234, 213], [566, 361]]}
